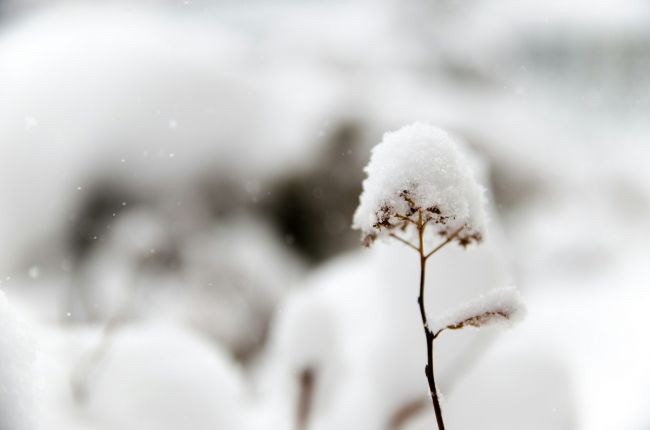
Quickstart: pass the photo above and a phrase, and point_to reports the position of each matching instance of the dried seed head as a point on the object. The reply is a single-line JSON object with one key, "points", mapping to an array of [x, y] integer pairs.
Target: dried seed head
{"points": [[419, 168], [482, 319], [497, 306]]}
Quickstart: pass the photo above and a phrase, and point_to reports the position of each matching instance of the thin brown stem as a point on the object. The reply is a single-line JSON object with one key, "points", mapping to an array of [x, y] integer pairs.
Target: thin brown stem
{"points": [[428, 333], [428, 369], [82, 375], [406, 219], [404, 241], [449, 239], [307, 381], [405, 413]]}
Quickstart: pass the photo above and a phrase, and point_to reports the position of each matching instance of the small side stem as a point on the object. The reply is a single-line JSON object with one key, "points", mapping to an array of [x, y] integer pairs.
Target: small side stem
{"points": [[428, 370], [404, 241], [451, 237]]}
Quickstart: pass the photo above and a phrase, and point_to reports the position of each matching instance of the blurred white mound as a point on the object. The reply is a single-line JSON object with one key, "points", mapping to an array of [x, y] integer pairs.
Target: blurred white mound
{"points": [[137, 95], [153, 376], [17, 382]]}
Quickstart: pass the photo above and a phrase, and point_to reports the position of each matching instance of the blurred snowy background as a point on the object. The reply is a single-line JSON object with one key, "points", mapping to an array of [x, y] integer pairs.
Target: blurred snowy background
{"points": [[177, 181]]}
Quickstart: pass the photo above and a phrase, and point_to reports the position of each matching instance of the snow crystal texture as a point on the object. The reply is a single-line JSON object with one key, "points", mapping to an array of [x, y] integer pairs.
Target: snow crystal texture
{"points": [[420, 167], [17, 356], [501, 305]]}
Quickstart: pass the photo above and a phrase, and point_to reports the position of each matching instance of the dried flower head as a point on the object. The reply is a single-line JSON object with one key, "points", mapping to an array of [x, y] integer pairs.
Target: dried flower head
{"points": [[419, 168], [502, 305]]}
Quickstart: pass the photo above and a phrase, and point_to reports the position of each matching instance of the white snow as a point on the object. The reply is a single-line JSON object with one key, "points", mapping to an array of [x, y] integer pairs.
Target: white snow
{"points": [[356, 322], [420, 163], [154, 375], [174, 379], [188, 103], [17, 384], [554, 99], [501, 305]]}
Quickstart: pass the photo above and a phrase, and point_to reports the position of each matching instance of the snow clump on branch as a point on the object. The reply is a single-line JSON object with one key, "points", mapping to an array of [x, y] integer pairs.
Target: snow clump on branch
{"points": [[502, 305], [420, 169]]}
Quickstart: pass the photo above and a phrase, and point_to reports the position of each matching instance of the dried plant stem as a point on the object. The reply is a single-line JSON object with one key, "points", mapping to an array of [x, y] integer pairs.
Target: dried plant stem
{"points": [[404, 241], [429, 335], [406, 412], [82, 375], [307, 381], [451, 237], [81, 378]]}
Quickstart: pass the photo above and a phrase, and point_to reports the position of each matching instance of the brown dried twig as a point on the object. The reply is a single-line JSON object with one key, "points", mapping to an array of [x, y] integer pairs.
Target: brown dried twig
{"points": [[307, 383]]}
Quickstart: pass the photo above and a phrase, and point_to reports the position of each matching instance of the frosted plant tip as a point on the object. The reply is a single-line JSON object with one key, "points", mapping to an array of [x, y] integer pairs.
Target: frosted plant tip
{"points": [[419, 170]]}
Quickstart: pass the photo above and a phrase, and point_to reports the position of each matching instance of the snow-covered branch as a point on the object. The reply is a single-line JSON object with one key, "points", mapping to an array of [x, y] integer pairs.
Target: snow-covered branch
{"points": [[499, 306]]}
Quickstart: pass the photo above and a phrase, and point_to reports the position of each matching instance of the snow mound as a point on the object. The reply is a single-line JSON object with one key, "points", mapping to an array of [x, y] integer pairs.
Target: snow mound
{"points": [[161, 376], [17, 355]]}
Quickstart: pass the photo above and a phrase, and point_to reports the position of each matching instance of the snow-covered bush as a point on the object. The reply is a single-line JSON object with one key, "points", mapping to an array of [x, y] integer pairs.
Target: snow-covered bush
{"points": [[419, 178]]}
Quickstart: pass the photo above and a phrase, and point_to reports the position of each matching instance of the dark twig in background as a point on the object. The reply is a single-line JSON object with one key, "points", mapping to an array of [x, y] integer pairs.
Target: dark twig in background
{"points": [[307, 382]]}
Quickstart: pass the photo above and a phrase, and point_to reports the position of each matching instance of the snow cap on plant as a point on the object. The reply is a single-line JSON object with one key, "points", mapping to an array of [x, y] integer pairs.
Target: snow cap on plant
{"points": [[419, 168], [499, 306]]}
